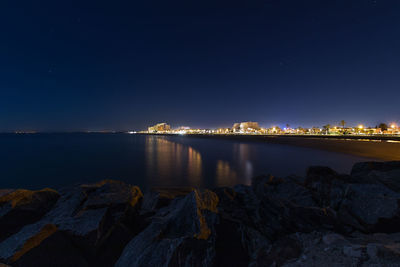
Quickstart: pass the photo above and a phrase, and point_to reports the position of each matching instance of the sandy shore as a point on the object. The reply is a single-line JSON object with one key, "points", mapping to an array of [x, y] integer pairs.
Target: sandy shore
{"points": [[382, 148]]}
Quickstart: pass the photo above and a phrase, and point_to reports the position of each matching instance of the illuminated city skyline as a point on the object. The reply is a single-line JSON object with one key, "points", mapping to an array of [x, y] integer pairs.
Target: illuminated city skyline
{"points": [[251, 127]]}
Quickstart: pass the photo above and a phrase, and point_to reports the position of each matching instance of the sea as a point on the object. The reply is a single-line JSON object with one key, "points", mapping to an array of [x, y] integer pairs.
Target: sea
{"points": [[35, 161]]}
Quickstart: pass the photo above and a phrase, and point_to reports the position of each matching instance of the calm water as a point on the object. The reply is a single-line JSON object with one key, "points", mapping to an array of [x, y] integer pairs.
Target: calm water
{"points": [[54, 160]]}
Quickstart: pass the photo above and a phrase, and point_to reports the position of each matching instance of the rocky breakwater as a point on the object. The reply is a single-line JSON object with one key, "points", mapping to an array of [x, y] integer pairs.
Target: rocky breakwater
{"points": [[324, 218]]}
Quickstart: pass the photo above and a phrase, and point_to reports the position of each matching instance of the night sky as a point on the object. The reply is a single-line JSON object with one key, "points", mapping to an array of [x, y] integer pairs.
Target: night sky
{"points": [[123, 65]]}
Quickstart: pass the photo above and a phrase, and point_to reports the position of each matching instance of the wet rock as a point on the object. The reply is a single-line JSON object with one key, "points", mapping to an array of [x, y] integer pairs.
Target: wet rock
{"points": [[90, 217], [21, 207], [182, 232]]}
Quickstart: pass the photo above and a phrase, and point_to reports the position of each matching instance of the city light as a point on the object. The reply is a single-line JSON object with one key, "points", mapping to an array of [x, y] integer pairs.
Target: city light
{"points": [[253, 128]]}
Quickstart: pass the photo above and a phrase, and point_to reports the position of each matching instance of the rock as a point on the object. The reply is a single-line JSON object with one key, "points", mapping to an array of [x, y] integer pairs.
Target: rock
{"points": [[21, 207], [231, 245], [282, 251], [366, 167], [372, 250], [283, 189], [389, 251], [237, 241], [231, 206], [97, 219], [5, 191], [324, 219], [374, 206], [386, 173], [49, 247], [354, 251], [297, 179], [182, 232], [161, 197], [308, 219], [327, 186], [334, 239], [274, 216]]}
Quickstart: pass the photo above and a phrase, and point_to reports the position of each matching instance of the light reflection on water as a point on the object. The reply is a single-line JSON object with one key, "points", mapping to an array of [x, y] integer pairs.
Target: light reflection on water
{"points": [[209, 163], [167, 160], [54, 160]]}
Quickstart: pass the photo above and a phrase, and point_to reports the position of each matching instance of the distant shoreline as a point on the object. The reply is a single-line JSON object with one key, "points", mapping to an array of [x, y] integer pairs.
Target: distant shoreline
{"points": [[374, 147]]}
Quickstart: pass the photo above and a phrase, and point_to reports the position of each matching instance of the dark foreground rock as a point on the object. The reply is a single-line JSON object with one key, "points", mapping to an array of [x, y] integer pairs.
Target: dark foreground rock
{"points": [[182, 233], [324, 218], [88, 226], [20, 207]]}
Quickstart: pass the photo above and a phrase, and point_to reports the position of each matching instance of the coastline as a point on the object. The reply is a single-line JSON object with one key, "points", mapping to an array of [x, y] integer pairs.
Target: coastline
{"points": [[375, 147]]}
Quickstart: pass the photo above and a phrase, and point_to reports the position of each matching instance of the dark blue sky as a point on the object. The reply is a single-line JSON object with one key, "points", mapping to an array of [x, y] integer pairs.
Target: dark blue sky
{"points": [[92, 65]]}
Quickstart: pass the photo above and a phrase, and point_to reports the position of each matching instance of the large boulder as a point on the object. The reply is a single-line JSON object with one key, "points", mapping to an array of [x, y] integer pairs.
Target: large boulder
{"points": [[181, 234], [21, 207], [238, 242], [365, 167], [49, 247], [283, 189], [284, 206], [386, 173], [95, 221], [375, 207], [157, 198], [327, 186]]}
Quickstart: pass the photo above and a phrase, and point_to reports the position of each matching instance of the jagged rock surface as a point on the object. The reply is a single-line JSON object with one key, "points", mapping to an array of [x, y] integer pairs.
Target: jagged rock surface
{"points": [[181, 234], [324, 218], [88, 225], [21, 207]]}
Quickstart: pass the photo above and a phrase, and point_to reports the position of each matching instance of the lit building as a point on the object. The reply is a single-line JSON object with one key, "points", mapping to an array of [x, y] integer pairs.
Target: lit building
{"points": [[223, 130], [160, 127], [236, 127], [248, 126], [274, 130]]}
